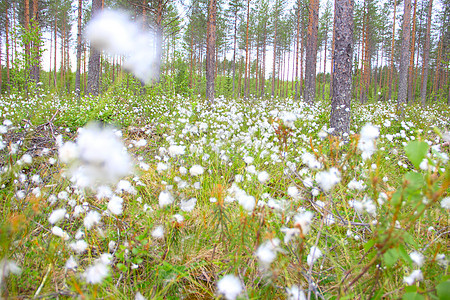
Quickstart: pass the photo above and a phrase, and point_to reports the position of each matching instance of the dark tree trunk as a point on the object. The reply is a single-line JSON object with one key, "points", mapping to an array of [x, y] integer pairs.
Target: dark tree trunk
{"points": [[426, 57], [93, 84], [210, 50], [311, 52], [342, 79], [404, 57], [78, 72], [411, 61]]}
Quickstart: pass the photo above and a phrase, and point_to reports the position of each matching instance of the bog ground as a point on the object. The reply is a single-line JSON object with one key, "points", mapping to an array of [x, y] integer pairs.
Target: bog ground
{"points": [[125, 197]]}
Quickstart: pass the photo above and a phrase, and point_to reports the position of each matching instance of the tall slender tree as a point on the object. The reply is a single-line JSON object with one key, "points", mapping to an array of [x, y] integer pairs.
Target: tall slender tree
{"points": [[311, 51], [426, 56], [210, 50], [78, 71], [342, 79], [93, 84], [404, 56]]}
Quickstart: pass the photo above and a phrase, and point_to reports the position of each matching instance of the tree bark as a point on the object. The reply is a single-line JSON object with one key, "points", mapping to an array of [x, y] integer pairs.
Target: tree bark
{"points": [[8, 82], [411, 60], [93, 84], [234, 51], [274, 52], [78, 72], [311, 52], [342, 79], [391, 73], [35, 69], [426, 56], [404, 56], [297, 50], [247, 68], [210, 50]]}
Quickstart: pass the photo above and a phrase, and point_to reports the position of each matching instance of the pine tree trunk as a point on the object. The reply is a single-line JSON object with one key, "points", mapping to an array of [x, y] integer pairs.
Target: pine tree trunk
{"points": [[391, 73], [411, 60], [297, 51], [426, 56], [93, 84], [54, 58], [274, 56], [325, 66], [234, 52], [332, 55], [35, 69], [247, 75], [438, 67], [8, 82], [404, 56], [342, 79], [210, 51], [311, 52], [78, 72]]}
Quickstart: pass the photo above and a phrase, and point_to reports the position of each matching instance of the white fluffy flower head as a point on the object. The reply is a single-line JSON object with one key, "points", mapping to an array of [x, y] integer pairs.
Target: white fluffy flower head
{"points": [[97, 158], [114, 32], [230, 286]]}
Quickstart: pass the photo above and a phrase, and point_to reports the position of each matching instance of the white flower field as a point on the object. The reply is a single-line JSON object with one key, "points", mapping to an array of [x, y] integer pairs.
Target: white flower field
{"points": [[125, 197]]}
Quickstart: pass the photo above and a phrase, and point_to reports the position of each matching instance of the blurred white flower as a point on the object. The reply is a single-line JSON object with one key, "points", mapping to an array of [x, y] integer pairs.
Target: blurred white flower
{"points": [[229, 286], [158, 232], [188, 205], [293, 192], [267, 252], [115, 205], [57, 215], [314, 254], [416, 275], [328, 179], [97, 157], [263, 176], [417, 258], [8, 266], [165, 198], [114, 32], [92, 218], [303, 221], [196, 170], [445, 203], [367, 140], [96, 273], [71, 263], [79, 246], [295, 293], [61, 233]]}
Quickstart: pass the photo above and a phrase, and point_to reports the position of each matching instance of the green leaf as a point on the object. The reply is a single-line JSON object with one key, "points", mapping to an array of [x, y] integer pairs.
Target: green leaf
{"points": [[390, 257], [412, 296], [416, 152], [415, 180], [396, 198], [443, 290], [369, 245], [121, 267], [403, 254]]}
